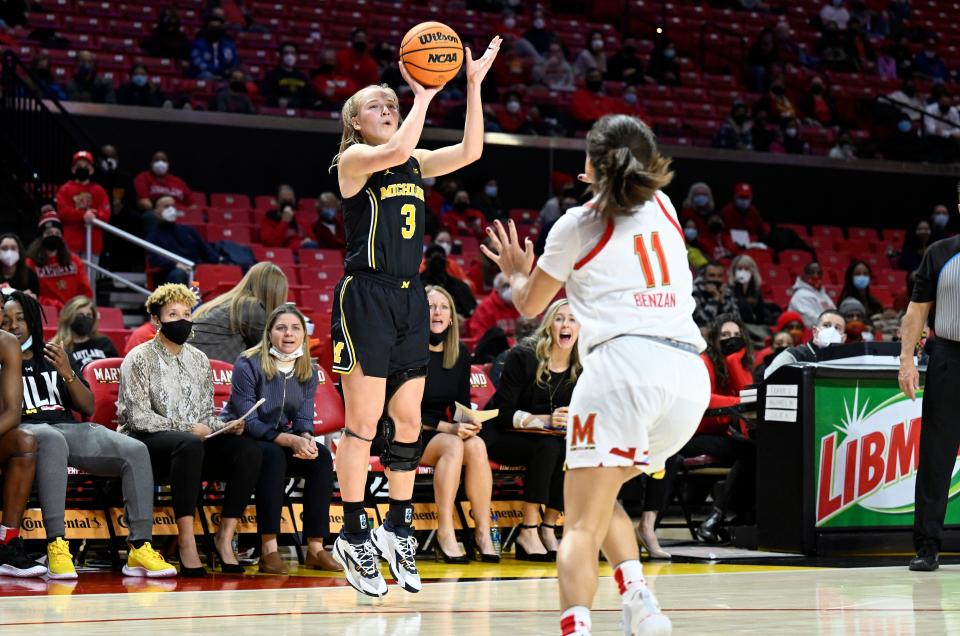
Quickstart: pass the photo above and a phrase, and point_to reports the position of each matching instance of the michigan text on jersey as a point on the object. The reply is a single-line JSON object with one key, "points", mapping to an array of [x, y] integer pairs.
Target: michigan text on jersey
{"points": [[401, 190]]}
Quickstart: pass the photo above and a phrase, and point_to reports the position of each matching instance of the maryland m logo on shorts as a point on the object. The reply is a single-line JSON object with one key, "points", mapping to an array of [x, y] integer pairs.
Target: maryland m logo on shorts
{"points": [[582, 433]]}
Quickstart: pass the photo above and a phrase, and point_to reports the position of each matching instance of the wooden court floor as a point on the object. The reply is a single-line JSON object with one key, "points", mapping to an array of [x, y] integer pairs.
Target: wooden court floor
{"points": [[511, 599]]}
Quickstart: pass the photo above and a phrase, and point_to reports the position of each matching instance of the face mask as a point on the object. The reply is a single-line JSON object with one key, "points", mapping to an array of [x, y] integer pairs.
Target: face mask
{"points": [[82, 325], [716, 227], [826, 337], [506, 295], [359, 47], [177, 331], [731, 345], [437, 338], [941, 220], [816, 89], [328, 215], [855, 328], [52, 243], [904, 126], [490, 191], [169, 214], [701, 200], [669, 54], [447, 247], [923, 236], [597, 45], [739, 117], [238, 87], [109, 164], [630, 98], [510, 23], [286, 357], [594, 85], [691, 233], [160, 167], [9, 257], [743, 276], [26, 344], [743, 203], [791, 132], [861, 281], [82, 174], [777, 90], [513, 106], [460, 206], [290, 59], [539, 23], [139, 80], [429, 182], [214, 32]]}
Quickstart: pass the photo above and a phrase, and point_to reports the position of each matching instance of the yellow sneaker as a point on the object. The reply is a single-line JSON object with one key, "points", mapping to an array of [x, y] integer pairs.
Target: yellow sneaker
{"points": [[145, 561], [59, 560]]}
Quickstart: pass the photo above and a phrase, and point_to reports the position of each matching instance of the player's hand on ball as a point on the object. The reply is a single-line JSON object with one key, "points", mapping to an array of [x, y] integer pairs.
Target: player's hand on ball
{"points": [[509, 255], [477, 68], [419, 90]]}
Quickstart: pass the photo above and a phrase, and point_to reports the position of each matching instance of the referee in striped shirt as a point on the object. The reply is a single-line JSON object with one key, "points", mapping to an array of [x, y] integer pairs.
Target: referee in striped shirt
{"points": [[936, 292]]}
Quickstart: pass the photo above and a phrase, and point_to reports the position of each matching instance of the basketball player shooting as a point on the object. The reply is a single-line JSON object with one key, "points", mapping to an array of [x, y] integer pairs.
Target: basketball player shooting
{"points": [[380, 324], [644, 388]]}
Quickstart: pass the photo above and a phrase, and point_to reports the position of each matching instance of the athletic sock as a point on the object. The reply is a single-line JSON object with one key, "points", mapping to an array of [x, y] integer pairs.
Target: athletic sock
{"points": [[400, 516], [628, 575], [8, 534], [575, 620], [356, 525], [137, 544]]}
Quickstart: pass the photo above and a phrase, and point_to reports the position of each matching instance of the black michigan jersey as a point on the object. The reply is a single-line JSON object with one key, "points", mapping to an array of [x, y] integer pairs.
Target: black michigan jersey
{"points": [[384, 222]]}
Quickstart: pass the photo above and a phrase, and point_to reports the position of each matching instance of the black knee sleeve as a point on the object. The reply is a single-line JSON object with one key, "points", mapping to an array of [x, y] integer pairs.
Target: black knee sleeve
{"points": [[398, 378], [399, 456]]}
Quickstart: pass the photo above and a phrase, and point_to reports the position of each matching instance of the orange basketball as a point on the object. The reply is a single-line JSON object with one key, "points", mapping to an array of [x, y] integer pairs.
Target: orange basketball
{"points": [[432, 53]]}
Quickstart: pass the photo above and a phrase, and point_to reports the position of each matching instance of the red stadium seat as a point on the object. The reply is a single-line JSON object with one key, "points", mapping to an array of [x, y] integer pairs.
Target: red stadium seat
{"points": [[481, 387], [866, 233], [222, 382], [228, 216], [237, 233], [265, 202], [328, 411], [318, 257], [827, 231], [103, 376], [191, 216], [110, 318], [214, 279], [229, 200], [801, 230], [273, 254], [321, 279]]}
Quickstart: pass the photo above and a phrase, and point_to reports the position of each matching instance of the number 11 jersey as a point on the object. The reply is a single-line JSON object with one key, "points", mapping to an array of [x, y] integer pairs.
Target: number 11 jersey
{"points": [[384, 223]]}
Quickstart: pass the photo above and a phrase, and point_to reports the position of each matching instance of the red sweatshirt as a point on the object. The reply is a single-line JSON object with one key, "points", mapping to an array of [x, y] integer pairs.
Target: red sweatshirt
{"points": [[74, 200], [143, 333], [59, 284], [492, 312], [150, 186], [737, 378], [360, 66]]}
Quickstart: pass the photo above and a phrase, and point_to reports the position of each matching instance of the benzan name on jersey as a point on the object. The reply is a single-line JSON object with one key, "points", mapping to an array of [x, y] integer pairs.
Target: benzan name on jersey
{"points": [[401, 190]]}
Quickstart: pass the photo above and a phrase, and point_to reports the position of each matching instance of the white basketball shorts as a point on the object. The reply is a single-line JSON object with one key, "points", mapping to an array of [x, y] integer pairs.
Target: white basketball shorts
{"points": [[637, 403]]}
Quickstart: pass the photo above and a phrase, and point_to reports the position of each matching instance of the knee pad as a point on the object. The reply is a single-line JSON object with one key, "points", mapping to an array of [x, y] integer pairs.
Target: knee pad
{"points": [[399, 456], [398, 378]]}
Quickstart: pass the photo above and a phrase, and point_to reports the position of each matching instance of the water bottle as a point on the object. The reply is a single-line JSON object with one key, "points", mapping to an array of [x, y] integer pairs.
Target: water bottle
{"points": [[195, 290], [495, 534]]}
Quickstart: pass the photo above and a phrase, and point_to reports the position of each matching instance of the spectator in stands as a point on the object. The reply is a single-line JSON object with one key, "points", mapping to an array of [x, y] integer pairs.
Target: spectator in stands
{"points": [[907, 95], [463, 219], [817, 106], [745, 283], [566, 201], [42, 79], [436, 272], [279, 227], [182, 240], [513, 114], [940, 225], [234, 320], [843, 148], [625, 65], [554, 71], [385, 54], [166, 402], [356, 61], [496, 310], [538, 379], [858, 327], [278, 369], [118, 185], [87, 85], [592, 56], [859, 45], [809, 297], [792, 323], [481, 272], [736, 133], [780, 342], [158, 182], [698, 205], [537, 34], [286, 86], [328, 230], [14, 272], [213, 53], [140, 91], [591, 102], [234, 96], [763, 56], [915, 245], [168, 39], [834, 50], [776, 102], [904, 143], [80, 201], [792, 143], [836, 12], [742, 214], [928, 63], [144, 333], [55, 393], [829, 328], [942, 119], [762, 133], [331, 85], [77, 334], [716, 239], [489, 202], [451, 445], [61, 273], [13, 13], [695, 252], [663, 67], [712, 295]]}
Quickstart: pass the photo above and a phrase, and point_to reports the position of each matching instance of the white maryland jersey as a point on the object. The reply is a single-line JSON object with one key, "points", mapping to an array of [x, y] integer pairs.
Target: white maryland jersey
{"points": [[628, 277]]}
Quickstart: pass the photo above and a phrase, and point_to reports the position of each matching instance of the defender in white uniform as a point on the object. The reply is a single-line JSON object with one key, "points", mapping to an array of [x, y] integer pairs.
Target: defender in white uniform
{"points": [[644, 388]]}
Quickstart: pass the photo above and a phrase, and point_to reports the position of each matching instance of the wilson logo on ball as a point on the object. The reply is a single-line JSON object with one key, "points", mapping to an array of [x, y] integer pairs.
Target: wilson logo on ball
{"points": [[439, 36]]}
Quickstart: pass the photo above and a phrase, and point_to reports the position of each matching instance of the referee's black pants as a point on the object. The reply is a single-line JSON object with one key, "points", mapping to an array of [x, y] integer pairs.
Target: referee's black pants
{"points": [[939, 442]]}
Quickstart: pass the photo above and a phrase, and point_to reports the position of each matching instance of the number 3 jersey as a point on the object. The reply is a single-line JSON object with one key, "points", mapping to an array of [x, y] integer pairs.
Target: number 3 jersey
{"points": [[384, 222], [627, 277]]}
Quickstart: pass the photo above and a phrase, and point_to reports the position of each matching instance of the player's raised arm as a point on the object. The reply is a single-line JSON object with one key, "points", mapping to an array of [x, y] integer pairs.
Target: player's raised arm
{"points": [[434, 163]]}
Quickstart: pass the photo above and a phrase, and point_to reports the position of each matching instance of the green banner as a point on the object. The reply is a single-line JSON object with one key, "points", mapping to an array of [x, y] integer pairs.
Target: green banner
{"points": [[866, 447]]}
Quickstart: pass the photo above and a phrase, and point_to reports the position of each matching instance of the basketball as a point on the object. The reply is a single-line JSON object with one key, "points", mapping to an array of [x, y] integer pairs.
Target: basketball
{"points": [[432, 53]]}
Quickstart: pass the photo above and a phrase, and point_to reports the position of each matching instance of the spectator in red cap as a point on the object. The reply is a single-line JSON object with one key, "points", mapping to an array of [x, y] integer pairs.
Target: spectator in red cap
{"points": [[61, 273], [159, 182], [742, 214], [80, 201]]}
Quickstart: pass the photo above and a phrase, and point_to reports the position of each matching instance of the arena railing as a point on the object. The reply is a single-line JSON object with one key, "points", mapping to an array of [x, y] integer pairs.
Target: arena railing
{"points": [[884, 99]]}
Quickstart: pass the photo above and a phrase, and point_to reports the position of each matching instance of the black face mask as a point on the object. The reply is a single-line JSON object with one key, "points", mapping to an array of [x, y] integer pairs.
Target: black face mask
{"points": [[52, 243], [460, 206], [82, 325], [437, 267], [716, 228], [740, 117], [594, 85], [214, 32], [238, 87], [816, 89], [325, 69], [82, 174], [437, 338], [177, 331], [359, 47], [731, 345]]}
